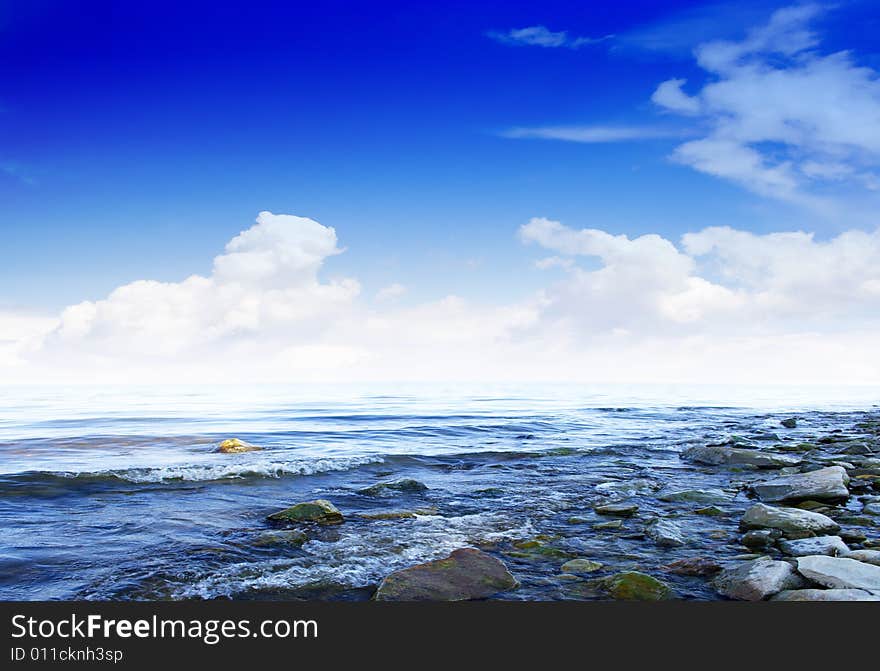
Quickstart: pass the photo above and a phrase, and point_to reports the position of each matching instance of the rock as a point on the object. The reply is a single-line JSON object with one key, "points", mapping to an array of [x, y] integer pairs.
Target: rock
{"points": [[698, 566], [825, 595], [792, 522], [236, 446], [760, 539], [820, 545], [756, 579], [823, 485], [867, 556], [789, 423], [318, 511], [716, 455], [625, 488], [404, 485], [389, 515], [281, 538], [581, 566], [840, 572], [617, 509], [635, 586], [613, 524], [665, 533], [708, 496], [711, 511], [465, 574], [871, 508]]}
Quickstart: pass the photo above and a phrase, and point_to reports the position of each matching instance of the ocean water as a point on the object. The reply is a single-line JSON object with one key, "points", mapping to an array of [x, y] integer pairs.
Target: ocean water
{"points": [[119, 493]]}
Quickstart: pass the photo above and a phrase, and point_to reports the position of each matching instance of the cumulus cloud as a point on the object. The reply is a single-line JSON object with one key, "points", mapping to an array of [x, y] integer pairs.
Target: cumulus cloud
{"points": [[783, 119], [718, 304], [541, 36]]}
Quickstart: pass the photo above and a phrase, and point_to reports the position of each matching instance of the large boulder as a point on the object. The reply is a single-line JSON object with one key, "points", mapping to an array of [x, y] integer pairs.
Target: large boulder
{"points": [[867, 556], [825, 595], [465, 574], [757, 579], [819, 545], [716, 455], [792, 522], [236, 446], [840, 572], [635, 586], [318, 511], [822, 485]]}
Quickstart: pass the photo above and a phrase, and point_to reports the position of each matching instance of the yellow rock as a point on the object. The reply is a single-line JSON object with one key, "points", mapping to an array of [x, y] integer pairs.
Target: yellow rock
{"points": [[234, 446]]}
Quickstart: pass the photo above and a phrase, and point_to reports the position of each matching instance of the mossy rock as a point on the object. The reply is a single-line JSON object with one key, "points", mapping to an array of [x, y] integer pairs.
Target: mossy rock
{"points": [[463, 575], [711, 511], [289, 538], [236, 446], [635, 586], [581, 566], [319, 511], [405, 485]]}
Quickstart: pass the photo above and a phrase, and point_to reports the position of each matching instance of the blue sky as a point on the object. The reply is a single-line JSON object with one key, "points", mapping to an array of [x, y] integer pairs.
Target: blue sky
{"points": [[137, 139]]}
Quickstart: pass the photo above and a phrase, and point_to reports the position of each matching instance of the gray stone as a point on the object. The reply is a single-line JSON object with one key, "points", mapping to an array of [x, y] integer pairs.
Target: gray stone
{"points": [[825, 595], [757, 579], [872, 508], [821, 485], [716, 455], [710, 496], [617, 509], [665, 533], [759, 539], [792, 522], [840, 572], [820, 545], [867, 556]]}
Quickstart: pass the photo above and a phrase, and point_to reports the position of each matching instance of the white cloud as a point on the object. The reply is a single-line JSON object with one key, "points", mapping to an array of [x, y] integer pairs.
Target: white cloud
{"points": [[391, 292], [783, 119], [717, 305], [591, 134], [541, 36]]}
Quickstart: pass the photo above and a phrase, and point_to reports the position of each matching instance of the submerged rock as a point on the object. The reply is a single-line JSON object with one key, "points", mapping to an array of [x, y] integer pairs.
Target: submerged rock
{"points": [[822, 485], [840, 572], [236, 446], [281, 539], [819, 545], [757, 579], [635, 586], [698, 566], [825, 595], [789, 423], [403, 485], [716, 455], [792, 522], [465, 574], [665, 533], [707, 496], [617, 509], [581, 566], [319, 511], [625, 488]]}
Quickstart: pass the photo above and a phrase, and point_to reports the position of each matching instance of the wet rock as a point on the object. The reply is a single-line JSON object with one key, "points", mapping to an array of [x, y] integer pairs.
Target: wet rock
{"points": [[708, 496], [821, 485], [760, 539], [792, 522], [825, 595], [867, 556], [789, 423], [389, 515], [757, 579], [463, 575], [405, 485], [613, 524], [665, 533], [626, 488], [635, 586], [696, 566], [711, 511], [281, 538], [840, 572], [716, 455], [617, 509], [581, 566], [871, 508], [319, 511], [540, 547], [819, 545], [236, 446]]}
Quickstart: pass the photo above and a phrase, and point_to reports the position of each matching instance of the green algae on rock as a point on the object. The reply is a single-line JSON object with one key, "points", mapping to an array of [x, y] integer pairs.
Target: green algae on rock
{"points": [[319, 511], [403, 485], [636, 586], [236, 446], [581, 566], [465, 574]]}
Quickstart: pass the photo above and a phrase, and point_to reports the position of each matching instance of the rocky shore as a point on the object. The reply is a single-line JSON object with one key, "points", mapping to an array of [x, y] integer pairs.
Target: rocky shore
{"points": [[800, 514]]}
